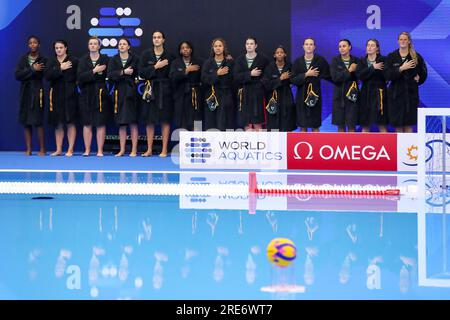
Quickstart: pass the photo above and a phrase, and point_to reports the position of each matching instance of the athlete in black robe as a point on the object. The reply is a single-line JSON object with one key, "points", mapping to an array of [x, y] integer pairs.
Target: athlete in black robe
{"points": [[344, 111], [29, 71], [373, 99], [284, 119], [223, 116], [157, 108], [160, 107], [125, 97], [124, 94], [188, 99], [403, 91], [63, 100], [251, 94], [95, 101], [309, 117]]}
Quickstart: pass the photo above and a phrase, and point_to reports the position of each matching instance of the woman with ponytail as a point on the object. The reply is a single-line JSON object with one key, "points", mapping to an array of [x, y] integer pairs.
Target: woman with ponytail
{"points": [[406, 71]]}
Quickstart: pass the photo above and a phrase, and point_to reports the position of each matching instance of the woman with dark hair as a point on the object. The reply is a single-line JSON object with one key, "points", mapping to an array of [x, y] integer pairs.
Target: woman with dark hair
{"points": [[307, 73], [346, 91], [63, 96], [406, 70], [372, 100], [185, 74], [218, 80], [123, 71], [95, 104], [280, 103], [29, 71], [157, 107], [248, 72]]}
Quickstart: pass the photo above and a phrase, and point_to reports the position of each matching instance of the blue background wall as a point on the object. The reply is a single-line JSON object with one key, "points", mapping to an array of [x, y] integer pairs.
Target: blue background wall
{"points": [[196, 20], [285, 22], [427, 21]]}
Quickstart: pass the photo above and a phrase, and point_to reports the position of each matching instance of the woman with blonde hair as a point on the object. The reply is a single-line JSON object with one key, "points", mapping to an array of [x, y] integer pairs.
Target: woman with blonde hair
{"points": [[406, 70]]}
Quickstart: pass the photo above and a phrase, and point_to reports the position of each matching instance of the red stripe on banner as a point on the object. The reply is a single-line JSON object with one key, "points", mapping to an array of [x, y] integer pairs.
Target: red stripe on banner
{"points": [[342, 151]]}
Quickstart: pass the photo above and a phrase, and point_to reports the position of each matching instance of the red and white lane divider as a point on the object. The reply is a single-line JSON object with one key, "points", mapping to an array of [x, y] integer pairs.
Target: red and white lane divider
{"points": [[201, 189], [350, 190]]}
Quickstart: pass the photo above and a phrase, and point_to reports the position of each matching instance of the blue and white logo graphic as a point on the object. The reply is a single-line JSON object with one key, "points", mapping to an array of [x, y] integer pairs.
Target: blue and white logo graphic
{"points": [[114, 23], [198, 150]]}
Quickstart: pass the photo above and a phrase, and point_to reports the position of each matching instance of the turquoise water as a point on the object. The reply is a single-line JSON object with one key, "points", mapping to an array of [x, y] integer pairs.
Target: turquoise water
{"points": [[169, 247]]}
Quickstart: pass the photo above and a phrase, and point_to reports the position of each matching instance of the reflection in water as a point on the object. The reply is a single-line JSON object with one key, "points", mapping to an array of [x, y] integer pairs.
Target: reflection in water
{"points": [[87, 177], [218, 272], [344, 272], [186, 269], [351, 231], [381, 224], [218, 269], [212, 220], [33, 259], [123, 267], [194, 222], [250, 274], [373, 273], [61, 262], [311, 227], [406, 270], [108, 244], [271, 217], [147, 231], [309, 265], [250, 270], [241, 227], [158, 270]]}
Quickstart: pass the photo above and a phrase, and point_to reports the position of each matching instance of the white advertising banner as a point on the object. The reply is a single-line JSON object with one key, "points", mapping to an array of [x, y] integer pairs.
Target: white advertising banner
{"points": [[277, 150], [407, 151], [233, 150]]}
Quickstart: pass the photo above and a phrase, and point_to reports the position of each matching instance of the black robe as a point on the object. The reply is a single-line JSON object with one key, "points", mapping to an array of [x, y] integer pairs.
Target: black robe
{"points": [[284, 119], [63, 93], [188, 100], [344, 111], [251, 94], [223, 116], [95, 102], [309, 117], [373, 98], [160, 108], [124, 95], [403, 91], [32, 95]]}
